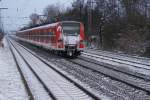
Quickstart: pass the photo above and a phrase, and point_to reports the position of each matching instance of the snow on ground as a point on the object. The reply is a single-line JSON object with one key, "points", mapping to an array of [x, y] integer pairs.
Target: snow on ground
{"points": [[59, 86], [37, 89], [102, 97], [11, 86]]}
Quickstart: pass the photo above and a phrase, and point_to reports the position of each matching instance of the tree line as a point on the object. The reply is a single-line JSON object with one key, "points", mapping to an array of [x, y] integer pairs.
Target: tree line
{"points": [[118, 25]]}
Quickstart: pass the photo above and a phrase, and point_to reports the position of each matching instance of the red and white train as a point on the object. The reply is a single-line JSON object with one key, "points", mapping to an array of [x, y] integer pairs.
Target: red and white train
{"points": [[66, 37]]}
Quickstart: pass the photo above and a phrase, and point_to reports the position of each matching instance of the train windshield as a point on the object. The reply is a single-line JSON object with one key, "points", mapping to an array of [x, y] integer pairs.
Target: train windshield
{"points": [[71, 28]]}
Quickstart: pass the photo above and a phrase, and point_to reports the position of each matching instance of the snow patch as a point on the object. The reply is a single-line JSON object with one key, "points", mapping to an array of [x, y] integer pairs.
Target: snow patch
{"points": [[11, 86]]}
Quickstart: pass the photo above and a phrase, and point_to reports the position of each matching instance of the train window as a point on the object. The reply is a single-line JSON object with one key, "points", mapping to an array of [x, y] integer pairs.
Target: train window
{"points": [[71, 28], [40, 33], [50, 33], [46, 32]]}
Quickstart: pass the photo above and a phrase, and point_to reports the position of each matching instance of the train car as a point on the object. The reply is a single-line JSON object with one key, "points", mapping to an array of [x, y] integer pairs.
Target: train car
{"points": [[65, 37]]}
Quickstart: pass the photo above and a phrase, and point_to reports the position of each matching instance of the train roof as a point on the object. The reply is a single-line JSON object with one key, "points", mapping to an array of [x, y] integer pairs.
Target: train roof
{"points": [[41, 27], [47, 26]]}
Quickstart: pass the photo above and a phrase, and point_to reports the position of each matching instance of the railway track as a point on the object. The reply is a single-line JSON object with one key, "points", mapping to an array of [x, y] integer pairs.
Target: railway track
{"points": [[130, 80], [56, 83], [118, 54], [145, 79], [139, 62], [130, 67], [118, 69], [30, 91], [22, 76], [137, 67]]}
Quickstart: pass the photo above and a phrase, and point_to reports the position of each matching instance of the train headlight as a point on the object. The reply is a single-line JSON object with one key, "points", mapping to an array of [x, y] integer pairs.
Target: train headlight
{"points": [[60, 43], [81, 44]]}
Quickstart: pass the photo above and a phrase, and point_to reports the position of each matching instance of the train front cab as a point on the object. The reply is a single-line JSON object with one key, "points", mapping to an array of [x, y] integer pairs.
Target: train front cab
{"points": [[71, 38]]}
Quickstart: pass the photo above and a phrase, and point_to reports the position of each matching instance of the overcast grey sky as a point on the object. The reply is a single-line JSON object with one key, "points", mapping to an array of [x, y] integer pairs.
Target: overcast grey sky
{"points": [[12, 17]]}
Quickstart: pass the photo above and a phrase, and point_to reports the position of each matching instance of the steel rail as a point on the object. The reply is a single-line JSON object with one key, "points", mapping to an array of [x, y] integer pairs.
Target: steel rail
{"points": [[39, 79], [95, 97]]}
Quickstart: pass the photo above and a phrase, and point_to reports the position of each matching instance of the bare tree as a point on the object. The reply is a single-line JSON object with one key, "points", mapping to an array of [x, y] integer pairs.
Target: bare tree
{"points": [[117, 24], [51, 12], [35, 19]]}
